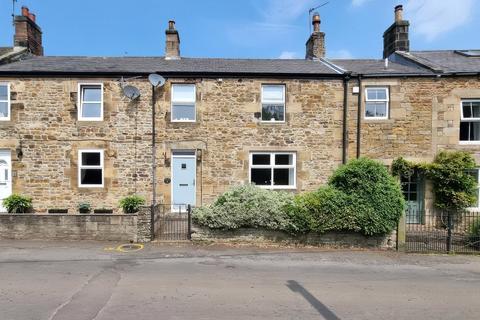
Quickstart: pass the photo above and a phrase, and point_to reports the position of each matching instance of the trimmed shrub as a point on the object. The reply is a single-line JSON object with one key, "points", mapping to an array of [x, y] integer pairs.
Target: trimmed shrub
{"points": [[376, 196], [17, 203], [249, 206], [132, 203]]}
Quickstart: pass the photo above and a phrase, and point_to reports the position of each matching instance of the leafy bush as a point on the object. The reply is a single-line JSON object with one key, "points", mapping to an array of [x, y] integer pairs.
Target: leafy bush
{"points": [[361, 197], [453, 186], [17, 203], [249, 206], [132, 203], [375, 195]]}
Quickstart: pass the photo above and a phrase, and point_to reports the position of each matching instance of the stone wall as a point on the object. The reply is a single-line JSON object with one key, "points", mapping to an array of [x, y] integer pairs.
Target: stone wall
{"points": [[226, 132], [424, 118], [45, 128], [335, 239], [68, 227]]}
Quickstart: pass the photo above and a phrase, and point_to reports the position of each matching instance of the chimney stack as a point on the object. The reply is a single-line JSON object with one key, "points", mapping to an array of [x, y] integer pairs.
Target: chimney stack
{"points": [[27, 33], [395, 38], [316, 43], [172, 45]]}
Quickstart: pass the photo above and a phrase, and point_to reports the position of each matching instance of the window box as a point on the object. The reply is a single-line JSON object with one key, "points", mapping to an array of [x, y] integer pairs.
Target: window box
{"points": [[376, 103], [470, 122], [273, 170], [183, 107], [90, 102], [103, 211], [5, 103], [58, 211], [90, 168], [273, 103]]}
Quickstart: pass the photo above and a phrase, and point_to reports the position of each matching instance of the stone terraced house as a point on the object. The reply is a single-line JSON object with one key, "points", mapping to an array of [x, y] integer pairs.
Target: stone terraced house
{"points": [[70, 134]]}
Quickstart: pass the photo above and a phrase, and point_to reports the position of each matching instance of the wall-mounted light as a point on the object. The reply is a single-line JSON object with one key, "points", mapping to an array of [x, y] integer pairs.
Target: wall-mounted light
{"points": [[19, 151], [199, 155]]}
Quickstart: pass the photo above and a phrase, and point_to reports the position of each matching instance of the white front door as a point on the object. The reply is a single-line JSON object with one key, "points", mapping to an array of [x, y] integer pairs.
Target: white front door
{"points": [[5, 176]]}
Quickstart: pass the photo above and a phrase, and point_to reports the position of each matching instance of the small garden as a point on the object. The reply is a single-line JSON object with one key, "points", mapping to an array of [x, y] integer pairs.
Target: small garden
{"points": [[361, 196]]}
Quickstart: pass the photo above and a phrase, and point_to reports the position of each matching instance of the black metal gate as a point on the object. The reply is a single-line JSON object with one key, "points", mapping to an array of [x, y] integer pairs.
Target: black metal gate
{"points": [[442, 231], [173, 223]]}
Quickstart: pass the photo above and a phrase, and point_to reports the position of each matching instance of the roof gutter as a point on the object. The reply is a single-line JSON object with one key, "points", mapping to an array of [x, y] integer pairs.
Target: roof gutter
{"points": [[174, 74]]}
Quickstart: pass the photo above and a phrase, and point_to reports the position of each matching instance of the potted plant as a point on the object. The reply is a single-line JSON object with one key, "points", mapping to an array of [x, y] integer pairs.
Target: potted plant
{"points": [[131, 204], [84, 207], [17, 203]]}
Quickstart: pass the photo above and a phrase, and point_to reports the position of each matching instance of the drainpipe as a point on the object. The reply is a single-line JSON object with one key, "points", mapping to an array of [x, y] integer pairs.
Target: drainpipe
{"points": [[154, 166], [359, 115], [345, 118]]}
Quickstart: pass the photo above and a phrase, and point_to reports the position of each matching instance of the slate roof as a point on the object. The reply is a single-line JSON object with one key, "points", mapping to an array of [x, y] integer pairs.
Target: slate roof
{"points": [[448, 61], [5, 50], [377, 67], [145, 65], [411, 63]]}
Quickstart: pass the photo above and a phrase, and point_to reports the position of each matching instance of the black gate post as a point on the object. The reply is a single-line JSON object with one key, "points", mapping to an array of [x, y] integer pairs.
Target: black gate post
{"points": [[449, 231], [189, 212]]}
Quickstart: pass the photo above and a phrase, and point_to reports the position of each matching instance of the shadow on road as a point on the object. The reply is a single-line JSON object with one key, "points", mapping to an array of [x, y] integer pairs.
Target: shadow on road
{"points": [[321, 308]]}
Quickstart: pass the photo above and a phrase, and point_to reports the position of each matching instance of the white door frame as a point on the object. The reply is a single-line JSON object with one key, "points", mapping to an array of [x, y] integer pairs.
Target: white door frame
{"points": [[194, 156], [7, 153]]}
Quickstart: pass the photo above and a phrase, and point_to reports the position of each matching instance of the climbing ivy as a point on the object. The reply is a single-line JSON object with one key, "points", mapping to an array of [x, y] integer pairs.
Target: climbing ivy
{"points": [[453, 186]]}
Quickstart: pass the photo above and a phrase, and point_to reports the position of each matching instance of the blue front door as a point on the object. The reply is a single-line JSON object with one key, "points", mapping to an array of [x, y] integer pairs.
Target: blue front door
{"points": [[183, 178]]}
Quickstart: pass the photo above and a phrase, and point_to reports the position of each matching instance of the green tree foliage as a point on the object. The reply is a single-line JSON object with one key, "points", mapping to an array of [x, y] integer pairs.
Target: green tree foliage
{"points": [[453, 186]]}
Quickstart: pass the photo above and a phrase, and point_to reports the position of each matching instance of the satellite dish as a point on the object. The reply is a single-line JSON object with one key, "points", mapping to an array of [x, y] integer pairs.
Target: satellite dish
{"points": [[156, 80], [131, 92]]}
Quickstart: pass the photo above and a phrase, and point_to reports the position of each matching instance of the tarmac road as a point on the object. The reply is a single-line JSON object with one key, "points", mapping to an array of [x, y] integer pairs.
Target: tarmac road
{"points": [[91, 280]]}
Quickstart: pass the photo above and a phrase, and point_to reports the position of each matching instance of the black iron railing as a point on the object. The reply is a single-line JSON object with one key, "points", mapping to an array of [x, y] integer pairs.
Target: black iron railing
{"points": [[442, 231]]}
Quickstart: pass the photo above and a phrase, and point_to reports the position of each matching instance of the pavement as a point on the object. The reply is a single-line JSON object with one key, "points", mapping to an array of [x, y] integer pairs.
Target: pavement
{"points": [[100, 280]]}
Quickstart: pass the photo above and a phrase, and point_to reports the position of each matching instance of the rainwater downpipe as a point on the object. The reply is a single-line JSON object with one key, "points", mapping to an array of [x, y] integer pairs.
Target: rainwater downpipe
{"points": [[359, 116], [345, 118]]}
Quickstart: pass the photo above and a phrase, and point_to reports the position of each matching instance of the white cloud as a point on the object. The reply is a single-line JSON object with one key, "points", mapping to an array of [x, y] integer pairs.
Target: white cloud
{"points": [[358, 3], [340, 54], [288, 55], [431, 18]]}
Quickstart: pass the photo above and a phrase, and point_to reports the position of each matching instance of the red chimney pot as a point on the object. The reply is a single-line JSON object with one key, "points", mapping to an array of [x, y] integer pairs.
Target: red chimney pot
{"points": [[25, 11]]}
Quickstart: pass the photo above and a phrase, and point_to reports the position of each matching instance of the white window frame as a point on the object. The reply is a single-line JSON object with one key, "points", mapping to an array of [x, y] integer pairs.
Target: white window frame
{"points": [[273, 166], [262, 102], [387, 100], [81, 166], [172, 102], [8, 101], [80, 102], [478, 190], [463, 119]]}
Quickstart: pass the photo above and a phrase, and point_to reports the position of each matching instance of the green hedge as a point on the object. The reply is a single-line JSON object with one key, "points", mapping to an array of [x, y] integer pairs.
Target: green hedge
{"points": [[361, 196]]}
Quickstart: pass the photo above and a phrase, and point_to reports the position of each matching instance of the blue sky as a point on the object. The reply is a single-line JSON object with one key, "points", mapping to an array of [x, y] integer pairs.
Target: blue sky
{"points": [[241, 28]]}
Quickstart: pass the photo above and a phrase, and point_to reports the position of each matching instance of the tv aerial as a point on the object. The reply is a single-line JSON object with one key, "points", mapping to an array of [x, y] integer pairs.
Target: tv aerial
{"points": [[311, 10]]}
